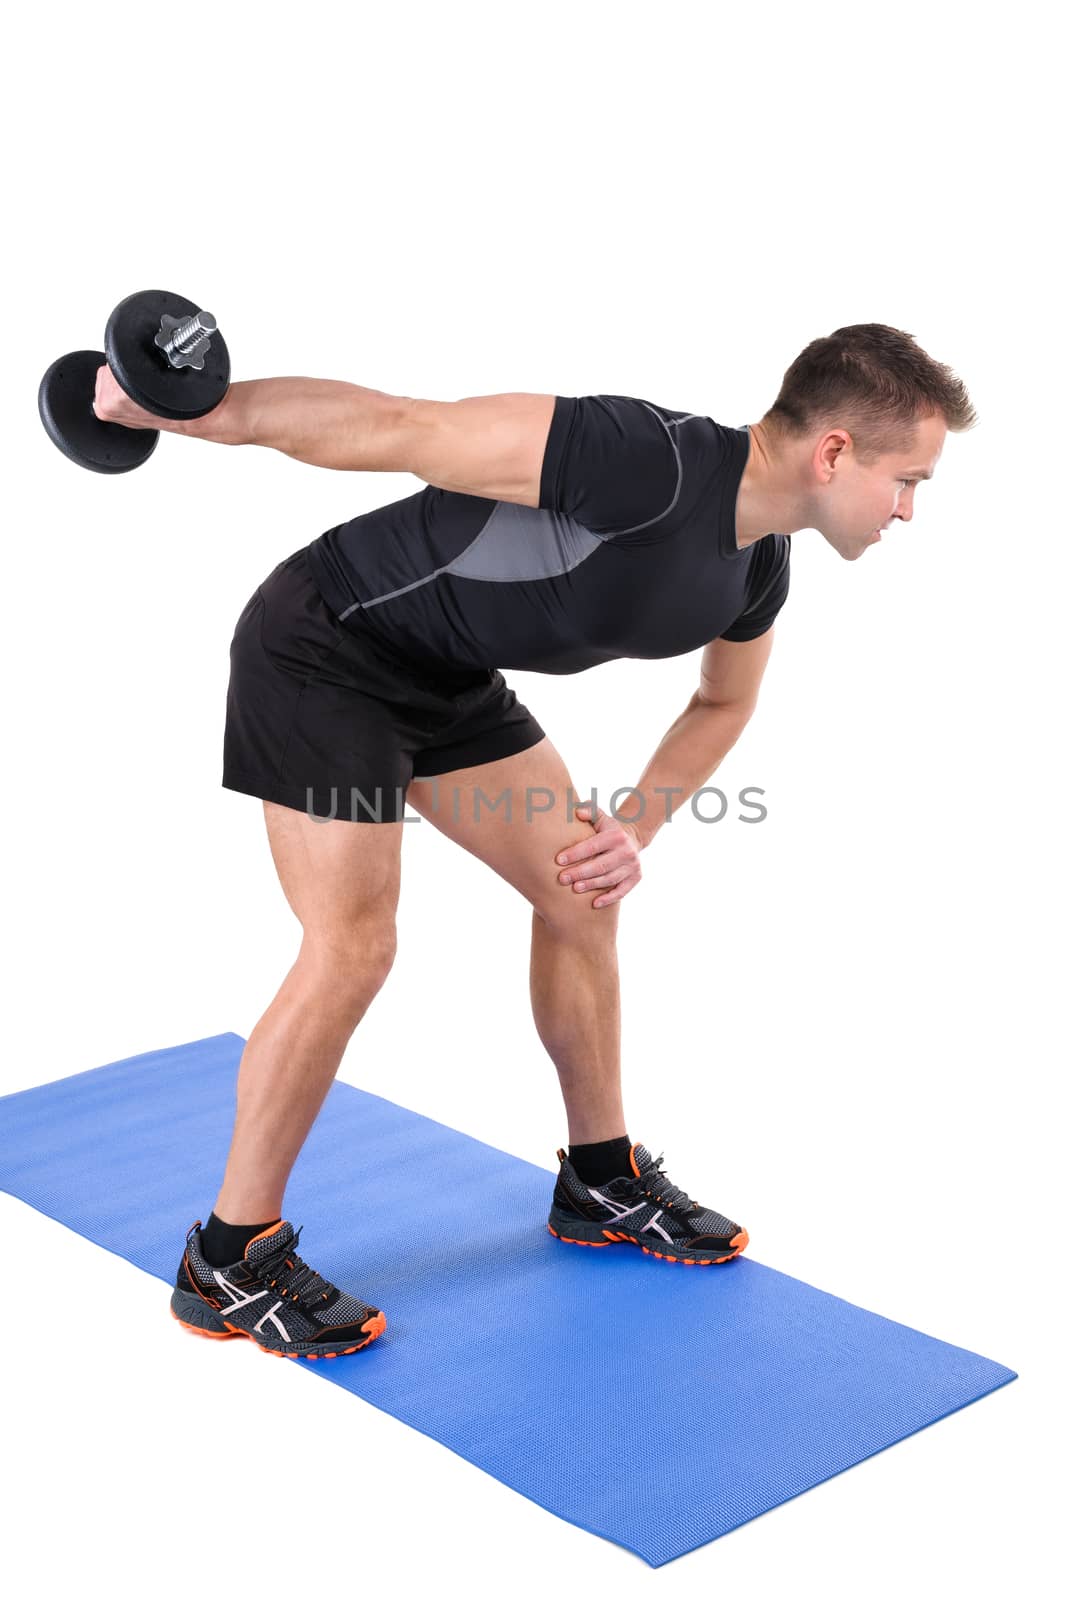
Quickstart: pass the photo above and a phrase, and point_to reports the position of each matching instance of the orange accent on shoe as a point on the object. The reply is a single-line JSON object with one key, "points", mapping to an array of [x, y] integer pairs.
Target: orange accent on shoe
{"points": [[266, 1233], [632, 1160], [206, 1298], [687, 1261]]}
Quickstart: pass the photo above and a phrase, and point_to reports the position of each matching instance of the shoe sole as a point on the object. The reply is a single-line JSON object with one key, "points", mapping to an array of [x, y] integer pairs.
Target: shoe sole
{"points": [[181, 1300], [738, 1243]]}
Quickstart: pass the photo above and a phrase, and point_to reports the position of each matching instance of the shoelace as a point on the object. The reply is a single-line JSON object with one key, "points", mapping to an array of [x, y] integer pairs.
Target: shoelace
{"points": [[654, 1183], [298, 1281]]}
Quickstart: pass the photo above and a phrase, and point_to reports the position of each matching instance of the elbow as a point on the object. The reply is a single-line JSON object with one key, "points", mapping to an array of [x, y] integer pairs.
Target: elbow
{"points": [[427, 427], [738, 711], [399, 433]]}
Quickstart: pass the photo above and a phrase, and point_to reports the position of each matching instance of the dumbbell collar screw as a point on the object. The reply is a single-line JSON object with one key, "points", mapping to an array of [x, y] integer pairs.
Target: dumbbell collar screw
{"points": [[185, 341]]}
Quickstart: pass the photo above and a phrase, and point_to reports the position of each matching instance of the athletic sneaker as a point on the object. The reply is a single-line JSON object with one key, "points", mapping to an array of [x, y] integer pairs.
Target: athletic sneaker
{"points": [[272, 1297], [644, 1209]]}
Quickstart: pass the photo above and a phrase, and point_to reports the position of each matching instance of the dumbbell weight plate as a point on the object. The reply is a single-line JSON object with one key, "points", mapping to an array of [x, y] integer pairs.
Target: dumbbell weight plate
{"points": [[64, 401], [142, 369]]}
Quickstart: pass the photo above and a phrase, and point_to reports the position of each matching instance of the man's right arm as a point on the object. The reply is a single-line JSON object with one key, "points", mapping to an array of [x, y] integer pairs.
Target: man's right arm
{"points": [[489, 445], [614, 464]]}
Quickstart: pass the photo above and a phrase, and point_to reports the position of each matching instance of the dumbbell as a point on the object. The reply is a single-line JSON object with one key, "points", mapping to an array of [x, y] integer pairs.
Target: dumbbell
{"points": [[164, 352]]}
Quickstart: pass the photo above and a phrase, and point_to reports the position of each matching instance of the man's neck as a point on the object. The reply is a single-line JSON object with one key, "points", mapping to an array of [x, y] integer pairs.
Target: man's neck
{"points": [[766, 502]]}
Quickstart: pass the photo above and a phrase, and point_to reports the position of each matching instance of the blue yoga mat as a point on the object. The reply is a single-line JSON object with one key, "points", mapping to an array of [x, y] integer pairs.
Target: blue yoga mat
{"points": [[553, 1368]]}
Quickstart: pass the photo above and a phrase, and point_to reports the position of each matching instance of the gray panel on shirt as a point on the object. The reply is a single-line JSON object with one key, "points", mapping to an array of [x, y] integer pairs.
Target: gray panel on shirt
{"points": [[522, 542]]}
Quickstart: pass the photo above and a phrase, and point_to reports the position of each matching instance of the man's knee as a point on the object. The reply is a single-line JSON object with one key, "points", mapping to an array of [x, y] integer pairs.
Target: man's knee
{"points": [[359, 954], [568, 914]]}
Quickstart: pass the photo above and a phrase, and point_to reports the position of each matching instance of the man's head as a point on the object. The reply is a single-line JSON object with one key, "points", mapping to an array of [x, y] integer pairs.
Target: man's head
{"points": [[859, 421]]}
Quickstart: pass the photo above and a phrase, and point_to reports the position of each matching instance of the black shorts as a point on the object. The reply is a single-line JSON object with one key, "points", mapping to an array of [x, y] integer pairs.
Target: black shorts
{"points": [[323, 716]]}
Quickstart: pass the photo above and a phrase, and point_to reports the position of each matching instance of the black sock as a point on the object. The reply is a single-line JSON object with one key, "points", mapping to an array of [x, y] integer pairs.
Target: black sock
{"points": [[598, 1163], [223, 1243]]}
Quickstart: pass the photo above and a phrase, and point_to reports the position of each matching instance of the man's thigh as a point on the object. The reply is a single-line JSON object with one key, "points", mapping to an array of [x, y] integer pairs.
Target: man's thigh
{"points": [[515, 814], [339, 877]]}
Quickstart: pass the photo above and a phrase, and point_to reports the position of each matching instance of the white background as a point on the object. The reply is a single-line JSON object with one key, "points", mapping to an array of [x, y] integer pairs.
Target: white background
{"points": [[838, 1024]]}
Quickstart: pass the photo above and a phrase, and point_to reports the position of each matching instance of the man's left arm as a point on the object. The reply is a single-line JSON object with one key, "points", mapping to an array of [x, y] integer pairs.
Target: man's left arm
{"points": [[690, 752]]}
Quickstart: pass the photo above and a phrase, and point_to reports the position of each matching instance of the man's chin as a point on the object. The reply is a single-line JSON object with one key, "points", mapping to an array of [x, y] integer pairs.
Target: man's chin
{"points": [[851, 549]]}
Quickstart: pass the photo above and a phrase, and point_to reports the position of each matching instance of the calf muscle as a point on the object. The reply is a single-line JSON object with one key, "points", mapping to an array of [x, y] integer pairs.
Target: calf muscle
{"points": [[341, 880]]}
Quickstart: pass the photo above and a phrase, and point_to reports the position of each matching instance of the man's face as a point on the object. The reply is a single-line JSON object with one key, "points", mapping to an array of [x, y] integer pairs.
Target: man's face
{"points": [[853, 504]]}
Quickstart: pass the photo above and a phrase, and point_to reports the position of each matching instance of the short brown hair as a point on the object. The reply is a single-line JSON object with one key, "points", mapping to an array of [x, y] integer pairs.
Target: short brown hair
{"points": [[876, 382]]}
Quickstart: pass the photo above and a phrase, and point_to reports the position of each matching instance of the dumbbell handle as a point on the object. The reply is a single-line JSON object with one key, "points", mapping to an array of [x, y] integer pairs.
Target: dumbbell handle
{"points": [[120, 410]]}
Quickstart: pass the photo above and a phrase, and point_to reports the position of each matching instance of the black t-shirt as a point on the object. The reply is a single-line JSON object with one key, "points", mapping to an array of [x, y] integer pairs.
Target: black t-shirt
{"points": [[631, 552]]}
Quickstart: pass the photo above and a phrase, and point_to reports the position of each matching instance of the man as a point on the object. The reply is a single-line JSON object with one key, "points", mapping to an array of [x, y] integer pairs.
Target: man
{"points": [[555, 533]]}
